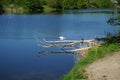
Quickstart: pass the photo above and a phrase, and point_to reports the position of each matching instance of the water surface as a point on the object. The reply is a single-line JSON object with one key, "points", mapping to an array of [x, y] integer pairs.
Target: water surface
{"points": [[19, 58]]}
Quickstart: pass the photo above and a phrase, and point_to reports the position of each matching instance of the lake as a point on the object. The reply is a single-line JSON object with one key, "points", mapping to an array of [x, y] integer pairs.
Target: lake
{"points": [[19, 52]]}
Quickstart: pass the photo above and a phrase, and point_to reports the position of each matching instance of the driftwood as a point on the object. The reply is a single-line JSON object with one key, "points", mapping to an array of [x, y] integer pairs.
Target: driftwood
{"points": [[77, 48], [80, 49], [76, 45]]}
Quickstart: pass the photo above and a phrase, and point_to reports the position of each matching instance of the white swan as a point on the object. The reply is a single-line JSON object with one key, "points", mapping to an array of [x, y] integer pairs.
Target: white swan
{"points": [[62, 38]]}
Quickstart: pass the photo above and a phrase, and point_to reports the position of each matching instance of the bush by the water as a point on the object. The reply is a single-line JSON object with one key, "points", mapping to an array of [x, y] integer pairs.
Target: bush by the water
{"points": [[38, 5]]}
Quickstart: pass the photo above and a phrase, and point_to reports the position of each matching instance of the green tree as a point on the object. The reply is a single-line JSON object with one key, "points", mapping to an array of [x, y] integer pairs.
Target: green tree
{"points": [[37, 5], [20, 2], [51, 3], [34, 6], [58, 4], [81, 4], [70, 4], [1, 8], [8, 2], [105, 3], [118, 1]]}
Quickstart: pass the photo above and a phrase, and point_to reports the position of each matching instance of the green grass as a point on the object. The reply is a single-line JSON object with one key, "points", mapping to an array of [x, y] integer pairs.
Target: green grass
{"points": [[78, 71], [118, 17], [48, 9]]}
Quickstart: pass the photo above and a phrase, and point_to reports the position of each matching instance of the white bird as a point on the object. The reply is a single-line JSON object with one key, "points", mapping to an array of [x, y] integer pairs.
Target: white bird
{"points": [[62, 38]]}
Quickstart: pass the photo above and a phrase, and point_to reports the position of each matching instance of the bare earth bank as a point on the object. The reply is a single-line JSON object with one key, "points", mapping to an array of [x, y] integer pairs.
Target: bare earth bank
{"points": [[107, 68]]}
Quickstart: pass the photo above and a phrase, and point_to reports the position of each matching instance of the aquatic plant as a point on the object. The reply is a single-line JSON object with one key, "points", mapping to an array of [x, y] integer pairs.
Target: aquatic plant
{"points": [[118, 17]]}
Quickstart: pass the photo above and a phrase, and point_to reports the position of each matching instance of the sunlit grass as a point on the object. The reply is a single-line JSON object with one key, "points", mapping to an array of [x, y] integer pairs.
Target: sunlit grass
{"points": [[78, 71], [48, 9]]}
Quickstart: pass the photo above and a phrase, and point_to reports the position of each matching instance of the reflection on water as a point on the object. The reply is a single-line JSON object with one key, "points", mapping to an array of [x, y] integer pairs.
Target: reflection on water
{"points": [[18, 60], [72, 26], [76, 55]]}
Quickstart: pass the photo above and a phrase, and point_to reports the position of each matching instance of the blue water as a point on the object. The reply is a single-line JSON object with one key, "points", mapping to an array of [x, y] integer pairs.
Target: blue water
{"points": [[19, 58]]}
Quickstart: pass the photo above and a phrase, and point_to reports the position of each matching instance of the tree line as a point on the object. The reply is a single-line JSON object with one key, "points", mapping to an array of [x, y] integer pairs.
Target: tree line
{"points": [[38, 5]]}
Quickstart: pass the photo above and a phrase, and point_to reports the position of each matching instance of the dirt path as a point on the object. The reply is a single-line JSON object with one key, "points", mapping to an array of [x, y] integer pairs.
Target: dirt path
{"points": [[107, 68]]}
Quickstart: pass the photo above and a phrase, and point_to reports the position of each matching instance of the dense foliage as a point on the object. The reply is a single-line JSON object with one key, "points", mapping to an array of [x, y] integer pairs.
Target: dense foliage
{"points": [[38, 5], [1, 8], [118, 1]]}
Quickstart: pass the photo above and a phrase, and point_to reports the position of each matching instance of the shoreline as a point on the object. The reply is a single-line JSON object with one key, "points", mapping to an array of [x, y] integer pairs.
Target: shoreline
{"points": [[79, 70], [107, 68], [48, 10]]}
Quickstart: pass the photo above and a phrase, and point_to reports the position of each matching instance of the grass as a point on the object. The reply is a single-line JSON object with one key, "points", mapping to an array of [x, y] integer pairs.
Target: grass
{"points": [[78, 71], [118, 17], [48, 9]]}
